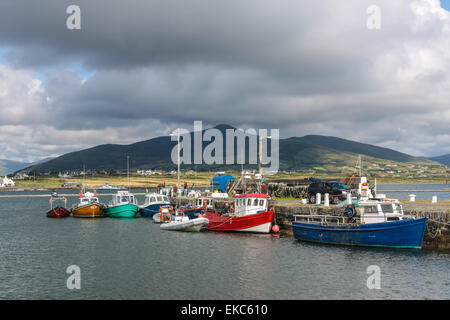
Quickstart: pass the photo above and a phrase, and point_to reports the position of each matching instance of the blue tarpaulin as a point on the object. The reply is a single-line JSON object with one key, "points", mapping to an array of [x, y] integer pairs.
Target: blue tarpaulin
{"points": [[220, 182]]}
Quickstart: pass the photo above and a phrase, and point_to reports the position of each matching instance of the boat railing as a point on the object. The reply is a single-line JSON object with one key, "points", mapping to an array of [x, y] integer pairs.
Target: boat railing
{"points": [[337, 220], [324, 219]]}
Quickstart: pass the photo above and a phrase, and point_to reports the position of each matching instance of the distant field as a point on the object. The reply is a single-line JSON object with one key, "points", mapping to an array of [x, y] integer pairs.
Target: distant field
{"points": [[199, 179]]}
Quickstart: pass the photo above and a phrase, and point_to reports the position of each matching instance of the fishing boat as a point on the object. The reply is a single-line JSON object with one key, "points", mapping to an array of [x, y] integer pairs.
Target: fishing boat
{"points": [[108, 186], [250, 214], [153, 203], [202, 204], [371, 222], [183, 223], [57, 210], [88, 205], [122, 205]]}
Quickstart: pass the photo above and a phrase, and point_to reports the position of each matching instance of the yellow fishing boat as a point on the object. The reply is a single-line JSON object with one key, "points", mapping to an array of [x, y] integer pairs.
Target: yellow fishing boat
{"points": [[88, 206]]}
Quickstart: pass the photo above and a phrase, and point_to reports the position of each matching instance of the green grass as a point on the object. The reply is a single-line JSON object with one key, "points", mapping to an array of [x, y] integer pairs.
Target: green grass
{"points": [[199, 179]]}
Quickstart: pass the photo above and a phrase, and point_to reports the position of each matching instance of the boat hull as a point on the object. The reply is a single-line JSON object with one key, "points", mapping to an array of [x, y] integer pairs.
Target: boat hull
{"points": [[402, 234], [58, 212], [256, 223], [128, 210], [91, 210], [161, 218], [152, 209], [189, 225]]}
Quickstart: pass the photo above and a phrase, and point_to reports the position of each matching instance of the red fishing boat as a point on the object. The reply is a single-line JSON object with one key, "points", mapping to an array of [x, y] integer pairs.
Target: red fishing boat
{"points": [[56, 208], [250, 214]]}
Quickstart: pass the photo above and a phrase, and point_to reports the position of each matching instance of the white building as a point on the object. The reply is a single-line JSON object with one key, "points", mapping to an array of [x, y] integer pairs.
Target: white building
{"points": [[6, 183]]}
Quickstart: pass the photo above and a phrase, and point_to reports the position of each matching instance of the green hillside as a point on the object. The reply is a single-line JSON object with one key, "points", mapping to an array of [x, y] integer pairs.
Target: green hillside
{"points": [[357, 147], [315, 154], [7, 166], [444, 159]]}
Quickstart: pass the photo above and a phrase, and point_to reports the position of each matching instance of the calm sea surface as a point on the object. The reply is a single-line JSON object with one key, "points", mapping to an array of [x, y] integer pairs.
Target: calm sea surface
{"points": [[441, 190], [133, 259]]}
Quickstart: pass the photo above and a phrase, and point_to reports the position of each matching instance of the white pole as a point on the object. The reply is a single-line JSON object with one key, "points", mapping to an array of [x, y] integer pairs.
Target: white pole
{"points": [[318, 199], [349, 198], [178, 183], [326, 201], [375, 191], [260, 155], [128, 172]]}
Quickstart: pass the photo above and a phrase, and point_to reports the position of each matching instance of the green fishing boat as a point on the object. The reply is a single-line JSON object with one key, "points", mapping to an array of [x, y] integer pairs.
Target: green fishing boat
{"points": [[123, 205]]}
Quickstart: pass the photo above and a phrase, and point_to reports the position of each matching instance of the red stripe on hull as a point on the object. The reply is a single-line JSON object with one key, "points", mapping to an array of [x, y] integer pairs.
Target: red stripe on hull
{"points": [[58, 212], [227, 223]]}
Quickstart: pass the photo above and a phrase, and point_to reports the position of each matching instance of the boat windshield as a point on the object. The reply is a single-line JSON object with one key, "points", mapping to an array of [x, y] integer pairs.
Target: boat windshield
{"points": [[387, 208]]}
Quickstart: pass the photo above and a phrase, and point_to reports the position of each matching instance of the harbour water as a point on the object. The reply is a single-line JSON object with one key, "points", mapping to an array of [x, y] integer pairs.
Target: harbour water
{"points": [[421, 190], [133, 259]]}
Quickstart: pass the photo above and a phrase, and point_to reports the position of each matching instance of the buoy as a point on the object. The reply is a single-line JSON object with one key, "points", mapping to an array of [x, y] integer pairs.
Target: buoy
{"points": [[275, 228]]}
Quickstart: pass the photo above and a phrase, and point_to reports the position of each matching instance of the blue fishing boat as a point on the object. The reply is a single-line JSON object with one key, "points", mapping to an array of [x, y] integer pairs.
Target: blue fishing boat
{"points": [[374, 222], [153, 203]]}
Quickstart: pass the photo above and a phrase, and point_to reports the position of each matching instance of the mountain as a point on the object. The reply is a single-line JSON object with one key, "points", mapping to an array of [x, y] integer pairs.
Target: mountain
{"points": [[357, 147], [320, 153], [8, 166], [444, 159]]}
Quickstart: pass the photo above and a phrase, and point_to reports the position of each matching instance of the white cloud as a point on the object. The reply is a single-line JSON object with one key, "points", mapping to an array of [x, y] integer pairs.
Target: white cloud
{"points": [[303, 68]]}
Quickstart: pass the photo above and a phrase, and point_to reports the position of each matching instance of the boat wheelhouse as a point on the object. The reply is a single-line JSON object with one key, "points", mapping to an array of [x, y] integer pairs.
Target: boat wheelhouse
{"points": [[122, 205], [152, 204], [250, 204], [380, 210], [88, 206]]}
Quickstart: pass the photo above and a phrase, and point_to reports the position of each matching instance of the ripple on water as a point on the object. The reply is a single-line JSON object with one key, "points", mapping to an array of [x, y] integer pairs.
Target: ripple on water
{"points": [[133, 259]]}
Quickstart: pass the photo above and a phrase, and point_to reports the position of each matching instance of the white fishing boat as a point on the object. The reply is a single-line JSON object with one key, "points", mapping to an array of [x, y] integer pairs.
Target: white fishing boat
{"points": [[108, 186], [183, 223]]}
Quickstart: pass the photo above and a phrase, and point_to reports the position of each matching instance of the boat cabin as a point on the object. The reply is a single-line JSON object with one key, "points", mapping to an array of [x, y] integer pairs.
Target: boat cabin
{"points": [[245, 204], [380, 210], [200, 203], [88, 197], [155, 198], [123, 197]]}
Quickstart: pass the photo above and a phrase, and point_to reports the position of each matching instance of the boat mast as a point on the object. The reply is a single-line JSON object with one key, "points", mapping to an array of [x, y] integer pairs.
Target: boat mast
{"points": [[84, 176], [358, 165], [178, 181], [128, 172]]}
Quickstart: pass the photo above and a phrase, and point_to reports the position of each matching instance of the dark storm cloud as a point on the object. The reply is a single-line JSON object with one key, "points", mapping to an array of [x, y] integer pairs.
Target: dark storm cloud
{"points": [[301, 67]]}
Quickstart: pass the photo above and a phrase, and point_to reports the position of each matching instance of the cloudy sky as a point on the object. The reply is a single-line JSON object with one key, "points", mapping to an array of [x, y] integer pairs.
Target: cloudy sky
{"points": [[141, 68]]}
